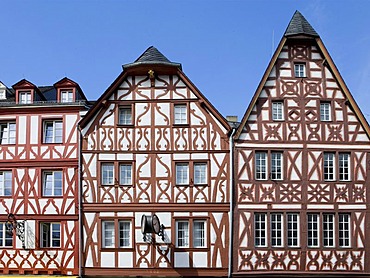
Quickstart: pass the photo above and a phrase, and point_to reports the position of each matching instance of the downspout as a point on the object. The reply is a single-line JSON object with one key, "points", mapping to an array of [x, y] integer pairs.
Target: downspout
{"points": [[231, 215], [79, 203]]}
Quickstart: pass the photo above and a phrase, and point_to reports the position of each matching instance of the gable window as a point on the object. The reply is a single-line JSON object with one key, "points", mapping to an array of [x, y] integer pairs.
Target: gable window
{"points": [[53, 131], [125, 115], [66, 96], [261, 165], [111, 228], [7, 133], [328, 230], [344, 233], [276, 165], [6, 238], [200, 173], [277, 111], [182, 173], [312, 230], [107, 174], [50, 235], [187, 239], [125, 171], [6, 180], [300, 70], [293, 230], [329, 166], [52, 183], [325, 111], [24, 97], [343, 166], [181, 116]]}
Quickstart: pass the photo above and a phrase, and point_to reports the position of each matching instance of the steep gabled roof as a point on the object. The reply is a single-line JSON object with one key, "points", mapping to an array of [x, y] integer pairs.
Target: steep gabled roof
{"points": [[299, 20], [298, 25], [152, 56]]}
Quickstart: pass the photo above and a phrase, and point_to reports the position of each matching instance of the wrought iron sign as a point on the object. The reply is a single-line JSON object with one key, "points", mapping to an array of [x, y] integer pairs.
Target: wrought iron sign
{"points": [[151, 224], [12, 225]]}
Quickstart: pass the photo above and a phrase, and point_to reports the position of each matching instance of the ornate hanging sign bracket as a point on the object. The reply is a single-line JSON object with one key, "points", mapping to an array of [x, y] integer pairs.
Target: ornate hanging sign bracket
{"points": [[12, 225], [150, 224]]}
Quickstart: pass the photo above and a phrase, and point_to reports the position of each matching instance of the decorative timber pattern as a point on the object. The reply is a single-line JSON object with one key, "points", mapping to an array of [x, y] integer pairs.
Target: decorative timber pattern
{"points": [[302, 163]]}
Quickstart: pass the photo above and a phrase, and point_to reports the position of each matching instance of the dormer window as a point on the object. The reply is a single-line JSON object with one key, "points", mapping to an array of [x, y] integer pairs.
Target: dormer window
{"points": [[66, 96], [25, 97], [2, 94]]}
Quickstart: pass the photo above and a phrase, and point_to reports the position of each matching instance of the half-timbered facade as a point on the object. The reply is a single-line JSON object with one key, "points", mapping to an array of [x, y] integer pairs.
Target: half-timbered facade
{"points": [[302, 162], [39, 231], [153, 144]]}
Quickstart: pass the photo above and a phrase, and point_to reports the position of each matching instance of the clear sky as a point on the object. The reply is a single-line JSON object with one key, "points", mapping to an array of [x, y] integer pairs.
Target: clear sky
{"points": [[224, 46]]}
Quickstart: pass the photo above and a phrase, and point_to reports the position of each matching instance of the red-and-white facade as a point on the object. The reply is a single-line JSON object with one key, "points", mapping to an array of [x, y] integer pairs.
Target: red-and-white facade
{"points": [[302, 168], [39, 151], [152, 144]]}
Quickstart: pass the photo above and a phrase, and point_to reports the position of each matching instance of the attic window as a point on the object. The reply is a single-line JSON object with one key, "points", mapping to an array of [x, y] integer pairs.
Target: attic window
{"points": [[66, 96], [25, 97], [300, 70], [2, 94]]}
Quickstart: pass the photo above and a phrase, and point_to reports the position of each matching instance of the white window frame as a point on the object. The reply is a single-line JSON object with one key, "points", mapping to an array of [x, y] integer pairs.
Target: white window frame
{"points": [[50, 182], [125, 173], [6, 183], [200, 173], [277, 111], [182, 173], [344, 230], [260, 229], [108, 234], [182, 233], [107, 173], [293, 230], [328, 229], [300, 70], [276, 166], [7, 133], [54, 127], [125, 115], [2, 93], [6, 238], [50, 235], [276, 229], [344, 166], [313, 230], [329, 166], [180, 114], [261, 165], [24, 97], [66, 96], [325, 111], [199, 233], [125, 235]]}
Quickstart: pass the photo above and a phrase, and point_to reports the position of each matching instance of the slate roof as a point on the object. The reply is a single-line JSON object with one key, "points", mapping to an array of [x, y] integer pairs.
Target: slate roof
{"points": [[152, 56], [298, 25]]}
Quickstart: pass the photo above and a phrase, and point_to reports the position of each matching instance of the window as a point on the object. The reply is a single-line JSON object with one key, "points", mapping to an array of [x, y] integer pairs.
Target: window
{"points": [[344, 167], [200, 173], [53, 131], [52, 183], [261, 166], [299, 70], [125, 171], [277, 111], [7, 133], [2, 93], [313, 230], [276, 165], [50, 235], [109, 233], [66, 96], [196, 239], [6, 238], [276, 229], [124, 233], [6, 180], [107, 173], [344, 230], [182, 173], [293, 230], [325, 113], [328, 230], [25, 98], [329, 166], [125, 115], [260, 230], [181, 114]]}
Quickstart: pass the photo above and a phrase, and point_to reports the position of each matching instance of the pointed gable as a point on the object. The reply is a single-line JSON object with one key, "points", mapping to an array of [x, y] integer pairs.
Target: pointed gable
{"points": [[24, 84], [298, 25]]}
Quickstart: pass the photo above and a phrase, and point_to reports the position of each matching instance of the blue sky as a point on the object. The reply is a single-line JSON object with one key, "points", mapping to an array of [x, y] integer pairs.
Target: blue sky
{"points": [[224, 46]]}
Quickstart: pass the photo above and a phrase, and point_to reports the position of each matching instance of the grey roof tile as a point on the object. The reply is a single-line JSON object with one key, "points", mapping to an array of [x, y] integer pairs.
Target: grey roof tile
{"points": [[299, 25]]}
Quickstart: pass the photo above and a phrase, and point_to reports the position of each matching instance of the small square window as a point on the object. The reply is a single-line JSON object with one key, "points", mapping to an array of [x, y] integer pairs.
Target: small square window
{"points": [[125, 115], [277, 111], [181, 116], [125, 171], [52, 183], [325, 111], [53, 131], [66, 96], [299, 70]]}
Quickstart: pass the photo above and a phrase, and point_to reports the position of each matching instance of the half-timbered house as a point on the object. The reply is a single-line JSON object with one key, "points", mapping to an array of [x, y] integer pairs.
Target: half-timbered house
{"points": [[155, 184], [39, 152], [302, 163]]}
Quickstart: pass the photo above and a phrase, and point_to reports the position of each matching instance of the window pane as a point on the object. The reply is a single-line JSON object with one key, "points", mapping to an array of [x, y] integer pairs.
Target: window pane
{"points": [[199, 234], [313, 230], [329, 166], [344, 230], [124, 233], [6, 183], [276, 165], [107, 174], [182, 234], [108, 234], [300, 70], [55, 235], [325, 111], [276, 229], [200, 173], [328, 230], [261, 165], [293, 230], [125, 174], [277, 111], [125, 116], [180, 114], [344, 166], [260, 229], [6, 237], [182, 173], [66, 96]]}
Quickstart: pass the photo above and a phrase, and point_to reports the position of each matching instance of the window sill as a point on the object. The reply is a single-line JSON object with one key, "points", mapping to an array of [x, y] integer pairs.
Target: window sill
{"points": [[124, 125], [115, 249], [49, 197], [185, 249], [180, 125]]}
